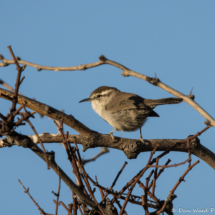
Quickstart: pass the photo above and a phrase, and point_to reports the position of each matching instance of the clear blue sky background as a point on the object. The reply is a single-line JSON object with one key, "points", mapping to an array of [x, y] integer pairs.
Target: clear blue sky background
{"points": [[174, 39]]}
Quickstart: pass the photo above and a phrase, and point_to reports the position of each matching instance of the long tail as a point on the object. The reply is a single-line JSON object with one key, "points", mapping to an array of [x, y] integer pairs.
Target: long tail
{"points": [[154, 102]]}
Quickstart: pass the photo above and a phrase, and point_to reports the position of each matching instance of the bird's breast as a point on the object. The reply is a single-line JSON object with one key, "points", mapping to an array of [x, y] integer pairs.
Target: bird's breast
{"points": [[99, 109]]}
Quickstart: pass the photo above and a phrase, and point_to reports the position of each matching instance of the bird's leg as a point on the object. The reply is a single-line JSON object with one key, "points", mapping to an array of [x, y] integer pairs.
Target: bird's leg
{"points": [[111, 134], [141, 139]]}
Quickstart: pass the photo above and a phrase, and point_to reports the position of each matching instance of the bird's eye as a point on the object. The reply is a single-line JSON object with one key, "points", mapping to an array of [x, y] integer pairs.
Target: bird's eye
{"points": [[98, 96]]}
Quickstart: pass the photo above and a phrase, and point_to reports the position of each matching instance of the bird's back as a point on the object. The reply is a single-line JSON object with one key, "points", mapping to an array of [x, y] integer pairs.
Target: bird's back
{"points": [[127, 112], [127, 101]]}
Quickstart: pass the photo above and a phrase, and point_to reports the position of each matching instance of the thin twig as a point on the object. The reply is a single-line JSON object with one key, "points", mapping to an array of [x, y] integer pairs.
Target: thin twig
{"points": [[148, 192], [3, 117], [104, 150], [6, 85], [114, 194], [74, 204], [155, 176], [173, 165], [176, 185], [65, 207], [18, 110], [69, 153], [24, 118], [182, 142], [19, 69], [137, 178], [41, 143], [145, 197], [182, 177], [58, 195], [134, 179], [70, 207], [27, 191], [114, 182], [100, 190], [161, 170], [90, 190], [120, 207], [79, 208]]}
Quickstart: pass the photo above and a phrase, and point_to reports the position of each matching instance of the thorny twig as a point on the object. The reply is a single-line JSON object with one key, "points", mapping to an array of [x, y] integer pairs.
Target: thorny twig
{"points": [[176, 185], [182, 177]]}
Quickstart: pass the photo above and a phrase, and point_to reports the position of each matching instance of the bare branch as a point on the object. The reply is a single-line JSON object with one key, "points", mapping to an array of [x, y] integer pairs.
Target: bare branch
{"points": [[48, 111], [6, 62], [126, 72], [125, 144]]}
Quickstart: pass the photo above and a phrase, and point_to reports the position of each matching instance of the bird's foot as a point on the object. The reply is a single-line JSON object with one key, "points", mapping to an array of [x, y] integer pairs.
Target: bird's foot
{"points": [[112, 137], [111, 134], [141, 139]]}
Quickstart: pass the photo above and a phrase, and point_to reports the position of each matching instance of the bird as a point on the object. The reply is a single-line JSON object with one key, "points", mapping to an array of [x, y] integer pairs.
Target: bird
{"points": [[125, 111]]}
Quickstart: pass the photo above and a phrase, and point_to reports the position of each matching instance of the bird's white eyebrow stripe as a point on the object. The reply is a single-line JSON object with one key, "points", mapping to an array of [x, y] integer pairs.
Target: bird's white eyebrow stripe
{"points": [[103, 92]]}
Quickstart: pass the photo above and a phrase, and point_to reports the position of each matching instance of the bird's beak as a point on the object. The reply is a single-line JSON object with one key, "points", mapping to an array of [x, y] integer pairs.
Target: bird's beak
{"points": [[85, 100]]}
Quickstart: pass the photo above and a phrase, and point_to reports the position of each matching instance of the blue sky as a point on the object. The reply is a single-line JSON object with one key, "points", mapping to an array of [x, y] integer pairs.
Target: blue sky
{"points": [[172, 39]]}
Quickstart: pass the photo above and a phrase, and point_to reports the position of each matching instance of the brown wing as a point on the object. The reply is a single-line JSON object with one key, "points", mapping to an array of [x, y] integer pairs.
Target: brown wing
{"points": [[127, 101]]}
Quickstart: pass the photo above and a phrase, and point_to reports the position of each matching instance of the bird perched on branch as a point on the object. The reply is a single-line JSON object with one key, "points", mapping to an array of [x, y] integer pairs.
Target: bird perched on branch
{"points": [[125, 111]]}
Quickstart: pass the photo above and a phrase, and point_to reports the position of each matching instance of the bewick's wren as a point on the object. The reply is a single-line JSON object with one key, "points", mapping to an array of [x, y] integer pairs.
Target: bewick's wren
{"points": [[124, 111]]}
